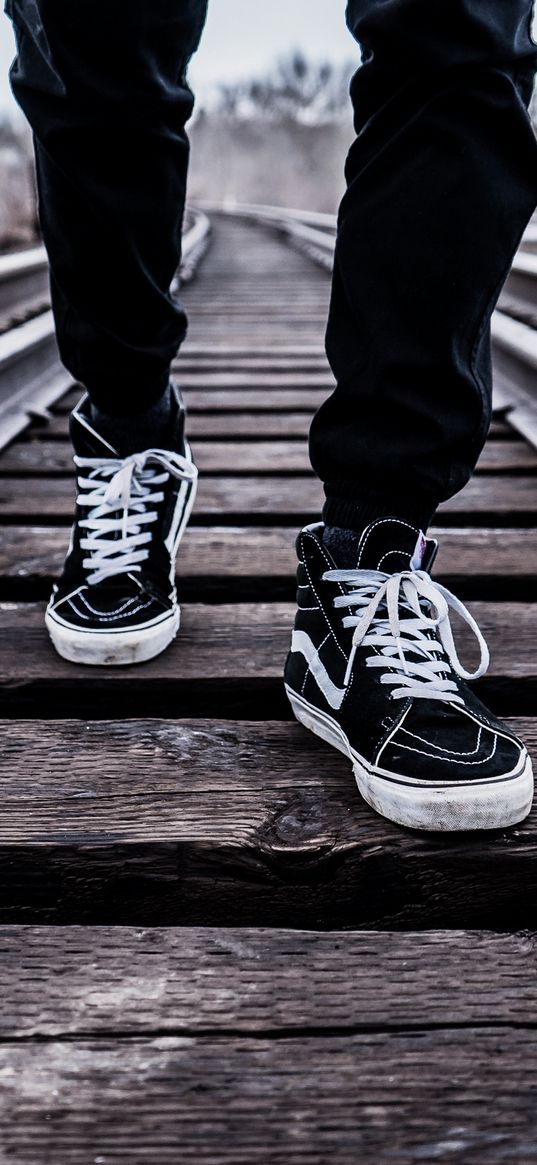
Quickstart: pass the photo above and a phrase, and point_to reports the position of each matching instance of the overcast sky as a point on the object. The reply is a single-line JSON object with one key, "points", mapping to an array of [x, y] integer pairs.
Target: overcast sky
{"points": [[243, 38]]}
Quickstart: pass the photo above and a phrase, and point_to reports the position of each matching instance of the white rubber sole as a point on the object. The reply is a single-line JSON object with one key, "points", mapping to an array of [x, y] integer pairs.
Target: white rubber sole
{"points": [[112, 648], [443, 808]]}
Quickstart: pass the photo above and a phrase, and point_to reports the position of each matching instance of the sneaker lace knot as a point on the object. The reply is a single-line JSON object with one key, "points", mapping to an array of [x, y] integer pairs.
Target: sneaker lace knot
{"points": [[121, 497], [405, 619]]}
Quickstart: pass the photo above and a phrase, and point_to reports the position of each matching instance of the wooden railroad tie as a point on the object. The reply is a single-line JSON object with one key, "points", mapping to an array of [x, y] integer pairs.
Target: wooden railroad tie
{"points": [[212, 949]]}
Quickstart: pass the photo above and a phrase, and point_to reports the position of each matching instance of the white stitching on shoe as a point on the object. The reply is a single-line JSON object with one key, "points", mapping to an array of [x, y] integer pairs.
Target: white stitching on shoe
{"points": [[321, 608], [373, 526], [380, 745], [439, 748], [118, 610], [454, 760], [105, 618], [80, 614], [389, 554]]}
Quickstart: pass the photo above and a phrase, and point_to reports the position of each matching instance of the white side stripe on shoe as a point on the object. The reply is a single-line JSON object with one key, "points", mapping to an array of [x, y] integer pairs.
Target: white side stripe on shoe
{"points": [[302, 643]]}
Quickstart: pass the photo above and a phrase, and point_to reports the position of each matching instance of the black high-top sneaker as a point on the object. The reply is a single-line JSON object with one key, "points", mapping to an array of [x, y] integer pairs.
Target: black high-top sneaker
{"points": [[116, 602], [373, 670]]}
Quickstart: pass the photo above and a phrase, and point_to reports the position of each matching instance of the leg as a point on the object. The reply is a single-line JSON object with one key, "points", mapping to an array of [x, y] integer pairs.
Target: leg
{"points": [[108, 101], [104, 90], [442, 179]]}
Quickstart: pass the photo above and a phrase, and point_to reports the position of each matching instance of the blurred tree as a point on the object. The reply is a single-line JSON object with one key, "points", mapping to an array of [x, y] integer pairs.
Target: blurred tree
{"points": [[296, 90]]}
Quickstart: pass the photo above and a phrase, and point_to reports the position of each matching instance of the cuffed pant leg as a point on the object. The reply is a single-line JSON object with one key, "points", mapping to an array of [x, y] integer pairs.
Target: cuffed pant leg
{"points": [[103, 87], [441, 181]]}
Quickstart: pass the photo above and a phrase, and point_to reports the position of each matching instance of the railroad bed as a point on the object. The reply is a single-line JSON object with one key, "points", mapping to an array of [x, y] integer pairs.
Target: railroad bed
{"points": [[213, 950]]}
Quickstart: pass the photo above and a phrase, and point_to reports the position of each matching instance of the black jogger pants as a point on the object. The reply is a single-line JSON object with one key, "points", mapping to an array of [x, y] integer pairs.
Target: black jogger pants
{"points": [[441, 180]]}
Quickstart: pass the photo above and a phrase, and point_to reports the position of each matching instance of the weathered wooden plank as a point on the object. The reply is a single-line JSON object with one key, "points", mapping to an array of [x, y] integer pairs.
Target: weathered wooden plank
{"points": [[258, 332], [88, 766], [257, 380], [255, 456], [236, 414], [251, 425], [228, 660], [127, 823], [248, 426], [244, 641], [216, 401], [119, 780], [277, 360], [220, 362], [210, 553], [88, 980], [56, 457], [229, 353], [429, 1095], [226, 499], [74, 761], [279, 422]]}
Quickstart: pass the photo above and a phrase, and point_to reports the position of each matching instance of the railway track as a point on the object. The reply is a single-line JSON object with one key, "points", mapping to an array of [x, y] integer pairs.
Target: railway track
{"points": [[32, 376], [24, 286], [235, 959], [514, 326]]}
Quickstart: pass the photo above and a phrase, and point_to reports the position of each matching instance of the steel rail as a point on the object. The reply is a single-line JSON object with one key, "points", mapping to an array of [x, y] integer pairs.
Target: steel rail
{"points": [[24, 284], [24, 275], [514, 342], [310, 231], [32, 376], [515, 373], [519, 297], [194, 244]]}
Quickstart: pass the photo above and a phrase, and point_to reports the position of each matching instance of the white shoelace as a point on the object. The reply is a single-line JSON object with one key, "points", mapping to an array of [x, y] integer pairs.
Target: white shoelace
{"points": [[121, 497], [405, 637]]}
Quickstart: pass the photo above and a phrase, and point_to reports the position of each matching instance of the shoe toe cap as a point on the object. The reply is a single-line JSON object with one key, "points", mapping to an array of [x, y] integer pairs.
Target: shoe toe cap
{"points": [[448, 744], [107, 609]]}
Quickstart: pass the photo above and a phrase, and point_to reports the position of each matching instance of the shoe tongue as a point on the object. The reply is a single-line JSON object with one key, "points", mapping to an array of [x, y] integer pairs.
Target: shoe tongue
{"points": [[391, 545]]}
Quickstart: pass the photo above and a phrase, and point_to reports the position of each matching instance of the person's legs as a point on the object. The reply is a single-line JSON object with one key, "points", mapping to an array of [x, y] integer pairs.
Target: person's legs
{"points": [[103, 87], [442, 179]]}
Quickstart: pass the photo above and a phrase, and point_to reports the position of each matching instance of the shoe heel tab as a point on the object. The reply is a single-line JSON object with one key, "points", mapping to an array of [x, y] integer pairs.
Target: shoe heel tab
{"points": [[431, 551]]}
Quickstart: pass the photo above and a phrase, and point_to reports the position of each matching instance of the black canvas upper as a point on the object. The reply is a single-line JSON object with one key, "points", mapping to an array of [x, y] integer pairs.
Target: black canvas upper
{"points": [[425, 739], [124, 600]]}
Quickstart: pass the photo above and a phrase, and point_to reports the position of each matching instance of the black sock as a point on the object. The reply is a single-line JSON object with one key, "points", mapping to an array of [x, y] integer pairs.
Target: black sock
{"points": [[342, 545], [134, 433]]}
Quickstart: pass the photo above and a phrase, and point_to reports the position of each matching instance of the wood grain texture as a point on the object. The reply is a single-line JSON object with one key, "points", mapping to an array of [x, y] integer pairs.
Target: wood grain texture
{"points": [[405, 1097], [89, 981], [280, 420], [269, 552], [225, 823], [255, 456], [226, 498], [224, 401], [245, 641]]}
